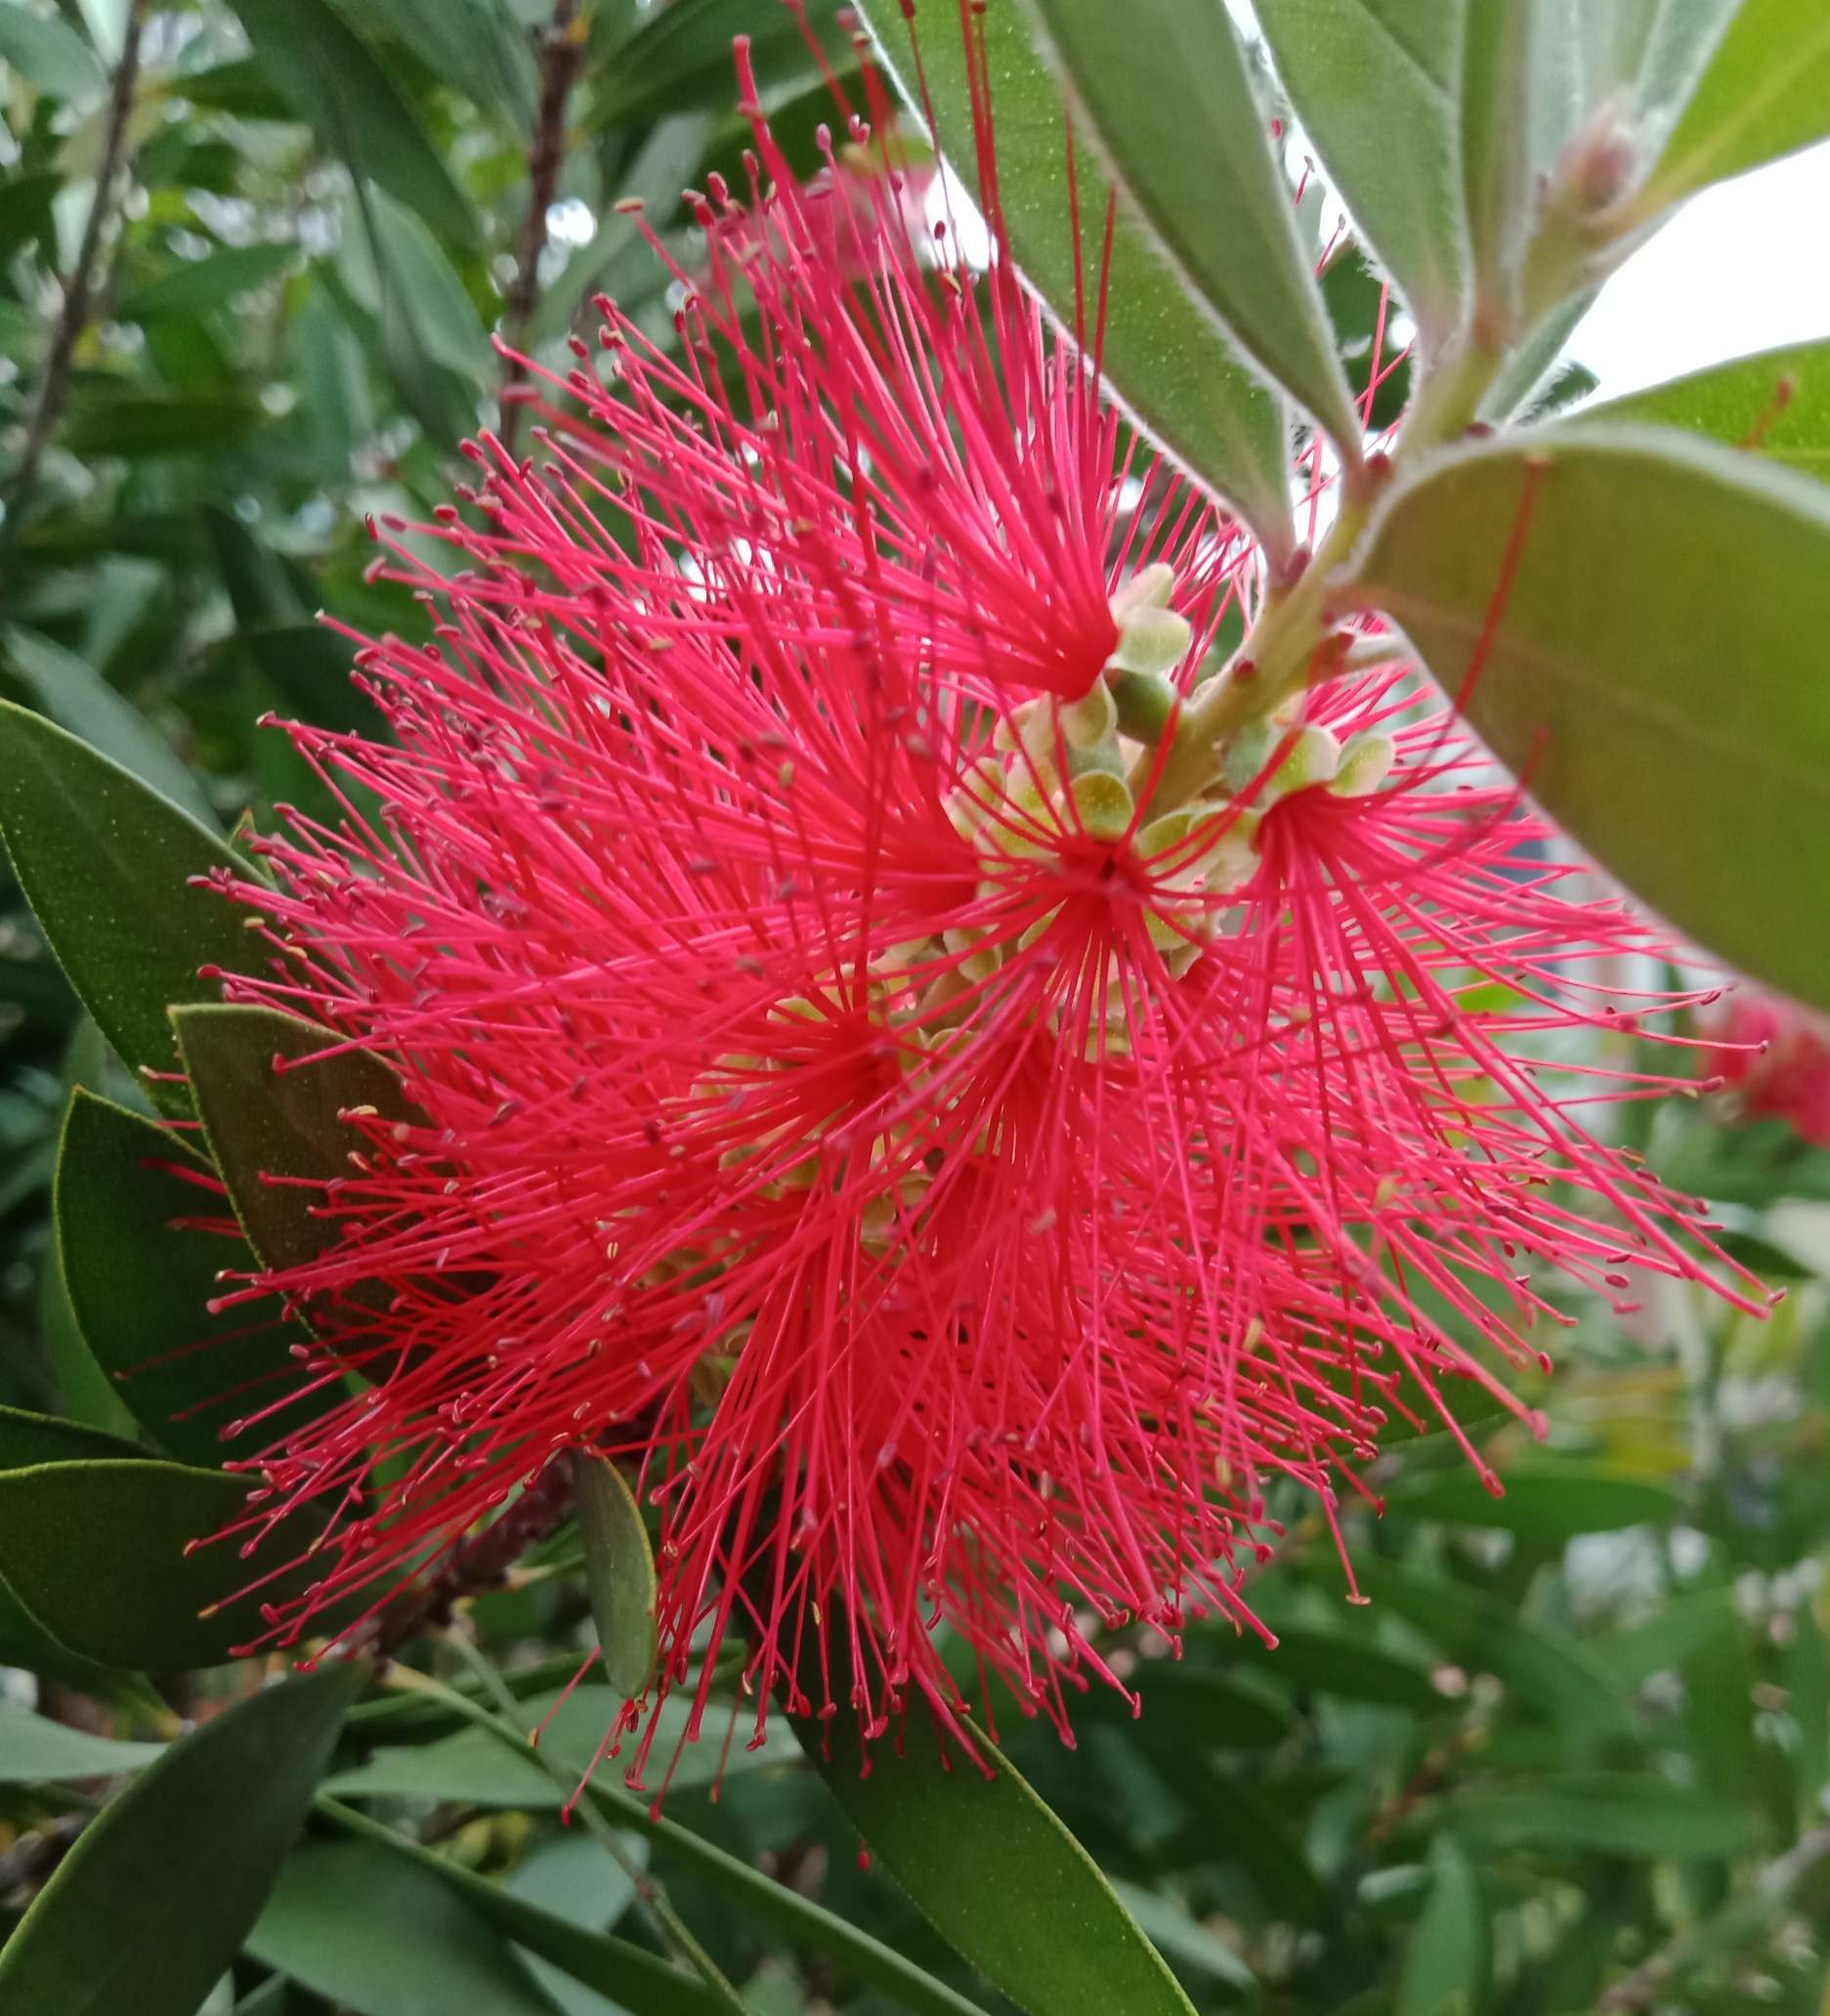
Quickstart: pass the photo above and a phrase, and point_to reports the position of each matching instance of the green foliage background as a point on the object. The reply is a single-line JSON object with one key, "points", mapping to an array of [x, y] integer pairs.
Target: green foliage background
{"points": [[1574, 1753]]}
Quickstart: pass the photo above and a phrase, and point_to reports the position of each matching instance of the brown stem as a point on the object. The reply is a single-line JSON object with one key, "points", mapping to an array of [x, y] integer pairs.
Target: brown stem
{"points": [[79, 290], [479, 1565], [562, 57]]}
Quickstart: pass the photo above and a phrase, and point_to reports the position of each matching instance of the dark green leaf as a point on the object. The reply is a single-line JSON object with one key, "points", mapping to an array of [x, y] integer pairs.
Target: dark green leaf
{"points": [[341, 91], [26, 211], [1376, 88], [140, 1282], [1166, 93], [1776, 403], [96, 1553], [1446, 1964], [206, 283], [989, 1865], [618, 1571], [1187, 1709], [473, 46], [395, 266], [1171, 367], [133, 424], [380, 1936], [27, 1440], [1648, 561], [107, 866], [1765, 93], [35, 1750], [1545, 1499], [642, 1983], [153, 1902], [260, 1121], [679, 59], [1339, 1664], [47, 53]]}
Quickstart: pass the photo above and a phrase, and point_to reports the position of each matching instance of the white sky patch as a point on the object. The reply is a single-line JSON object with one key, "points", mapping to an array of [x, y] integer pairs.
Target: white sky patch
{"points": [[1743, 267]]}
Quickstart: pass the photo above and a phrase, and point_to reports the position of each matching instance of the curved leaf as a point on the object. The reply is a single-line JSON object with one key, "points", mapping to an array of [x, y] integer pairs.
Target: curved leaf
{"points": [[618, 1571], [155, 1899], [1775, 405], [1172, 368], [473, 46], [105, 865], [262, 1123], [27, 1440], [1652, 667], [140, 1284], [1166, 92], [48, 52], [1376, 89], [1606, 1813], [989, 1865], [1447, 1963], [1765, 93], [95, 1551]]}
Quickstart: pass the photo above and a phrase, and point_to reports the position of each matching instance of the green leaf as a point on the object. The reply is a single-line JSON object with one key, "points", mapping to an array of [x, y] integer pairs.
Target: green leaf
{"points": [[1543, 1500], [420, 283], [378, 1935], [1776, 404], [71, 693], [1341, 1664], [107, 865], [1177, 1937], [342, 92], [988, 1864], [260, 1121], [27, 1440], [26, 211], [618, 1571], [35, 1750], [1166, 93], [1376, 88], [1446, 1966], [215, 281], [95, 1551], [135, 424], [152, 1904], [1605, 1812], [474, 47], [140, 1286], [1765, 93], [1171, 367], [473, 1769], [1648, 561], [1188, 1708], [84, 1390], [48, 52], [1500, 76], [642, 1983]]}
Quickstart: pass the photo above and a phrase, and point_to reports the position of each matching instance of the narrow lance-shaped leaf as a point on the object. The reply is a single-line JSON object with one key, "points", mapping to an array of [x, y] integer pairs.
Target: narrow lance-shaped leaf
{"points": [[474, 46], [140, 1285], [1446, 1964], [988, 1863], [1765, 93], [152, 1904], [1164, 89], [1169, 365], [1775, 405], [1376, 89], [107, 865], [1656, 608], [1499, 78], [618, 1571]]}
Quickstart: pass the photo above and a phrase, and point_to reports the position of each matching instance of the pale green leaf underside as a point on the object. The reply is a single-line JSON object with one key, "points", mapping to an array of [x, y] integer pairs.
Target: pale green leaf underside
{"points": [[1656, 670], [1775, 403], [1164, 87]]}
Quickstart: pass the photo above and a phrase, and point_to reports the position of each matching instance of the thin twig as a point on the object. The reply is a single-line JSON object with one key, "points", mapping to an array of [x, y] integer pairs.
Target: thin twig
{"points": [[79, 288], [562, 57]]}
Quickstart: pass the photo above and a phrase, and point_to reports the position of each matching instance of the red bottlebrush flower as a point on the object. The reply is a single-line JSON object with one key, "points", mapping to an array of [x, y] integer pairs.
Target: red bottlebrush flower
{"points": [[1775, 1056], [966, 1177]]}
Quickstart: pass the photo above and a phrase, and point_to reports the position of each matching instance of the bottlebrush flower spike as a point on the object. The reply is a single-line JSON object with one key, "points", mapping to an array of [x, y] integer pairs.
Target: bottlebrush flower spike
{"points": [[960, 1174], [1774, 1057]]}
